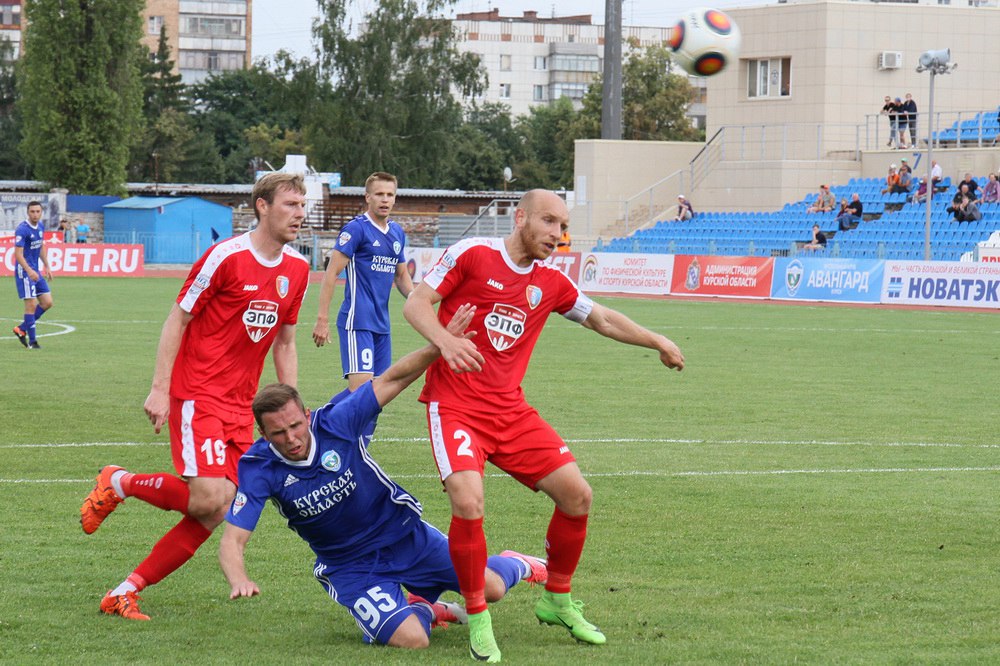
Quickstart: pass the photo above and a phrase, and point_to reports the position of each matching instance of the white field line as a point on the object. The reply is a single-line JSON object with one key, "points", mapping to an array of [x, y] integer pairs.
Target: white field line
{"points": [[618, 474]]}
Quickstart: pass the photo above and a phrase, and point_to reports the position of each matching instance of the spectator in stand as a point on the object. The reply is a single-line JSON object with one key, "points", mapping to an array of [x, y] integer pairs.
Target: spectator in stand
{"points": [[921, 194], [937, 174], [971, 183], [825, 201], [909, 108], [685, 211], [818, 241], [904, 166], [991, 192], [891, 180], [889, 109], [853, 214], [956, 202], [967, 211], [904, 183], [901, 124]]}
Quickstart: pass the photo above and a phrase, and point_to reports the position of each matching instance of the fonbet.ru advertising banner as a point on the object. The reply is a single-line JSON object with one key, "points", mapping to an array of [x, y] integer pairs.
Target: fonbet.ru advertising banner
{"points": [[821, 279], [702, 275], [82, 259], [626, 273], [975, 284]]}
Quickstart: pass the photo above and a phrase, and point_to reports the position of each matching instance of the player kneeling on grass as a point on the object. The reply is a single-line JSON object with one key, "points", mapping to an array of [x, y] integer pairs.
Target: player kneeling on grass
{"points": [[365, 529]]}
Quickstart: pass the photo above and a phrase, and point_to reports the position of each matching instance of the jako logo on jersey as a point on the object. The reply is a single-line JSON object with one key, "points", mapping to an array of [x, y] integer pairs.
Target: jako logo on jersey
{"points": [[260, 318], [344, 238], [330, 461], [534, 295], [250, 287], [239, 502], [396, 247], [504, 326], [493, 283], [282, 284]]}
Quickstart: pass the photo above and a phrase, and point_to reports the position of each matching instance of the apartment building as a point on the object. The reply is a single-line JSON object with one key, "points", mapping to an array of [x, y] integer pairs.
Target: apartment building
{"points": [[205, 36], [531, 60]]}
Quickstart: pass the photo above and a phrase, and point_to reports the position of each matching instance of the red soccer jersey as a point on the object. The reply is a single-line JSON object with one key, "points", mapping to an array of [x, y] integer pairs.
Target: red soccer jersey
{"points": [[512, 305], [239, 302]]}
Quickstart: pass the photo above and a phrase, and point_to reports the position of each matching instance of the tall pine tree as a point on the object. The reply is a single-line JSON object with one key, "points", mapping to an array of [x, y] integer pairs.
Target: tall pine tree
{"points": [[81, 93]]}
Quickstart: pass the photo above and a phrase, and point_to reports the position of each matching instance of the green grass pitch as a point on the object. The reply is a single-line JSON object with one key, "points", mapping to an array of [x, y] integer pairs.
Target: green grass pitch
{"points": [[818, 486]]}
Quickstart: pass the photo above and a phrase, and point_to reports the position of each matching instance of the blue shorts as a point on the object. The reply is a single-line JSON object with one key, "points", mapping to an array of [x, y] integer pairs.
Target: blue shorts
{"points": [[364, 352], [28, 289], [370, 586]]}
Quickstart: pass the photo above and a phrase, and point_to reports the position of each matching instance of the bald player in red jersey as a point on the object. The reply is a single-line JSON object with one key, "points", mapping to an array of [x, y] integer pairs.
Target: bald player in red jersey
{"points": [[476, 409], [240, 298]]}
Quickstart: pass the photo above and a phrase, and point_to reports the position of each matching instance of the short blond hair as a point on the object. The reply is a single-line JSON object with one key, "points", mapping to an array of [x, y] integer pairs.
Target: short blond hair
{"points": [[266, 187], [380, 175]]}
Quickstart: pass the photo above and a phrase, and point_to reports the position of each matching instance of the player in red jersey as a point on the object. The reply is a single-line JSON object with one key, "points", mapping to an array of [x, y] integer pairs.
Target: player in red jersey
{"points": [[476, 409], [240, 298]]}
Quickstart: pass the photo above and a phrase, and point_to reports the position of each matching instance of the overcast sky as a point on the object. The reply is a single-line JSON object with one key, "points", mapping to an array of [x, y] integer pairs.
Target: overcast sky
{"points": [[287, 24]]}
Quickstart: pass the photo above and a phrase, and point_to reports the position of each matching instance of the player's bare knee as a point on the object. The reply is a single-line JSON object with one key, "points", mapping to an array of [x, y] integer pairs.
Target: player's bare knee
{"points": [[495, 588], [410, 635], [576, 499]]}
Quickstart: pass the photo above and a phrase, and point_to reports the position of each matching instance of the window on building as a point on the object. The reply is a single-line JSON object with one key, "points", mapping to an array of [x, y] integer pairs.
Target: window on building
{"points": [[504, 62], [539, 94], [504, 91], [212, 26], [10, 15], [576, 63], [769, 77], [541, 63], [574, 91]]}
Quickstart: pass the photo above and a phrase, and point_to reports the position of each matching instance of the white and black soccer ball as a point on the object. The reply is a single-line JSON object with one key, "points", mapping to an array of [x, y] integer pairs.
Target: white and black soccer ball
{"points": [[705, 41]]}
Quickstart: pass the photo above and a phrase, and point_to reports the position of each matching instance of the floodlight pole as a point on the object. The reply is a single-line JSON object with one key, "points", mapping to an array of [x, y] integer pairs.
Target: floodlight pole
{"points": [[936, 62], [611, 93]]}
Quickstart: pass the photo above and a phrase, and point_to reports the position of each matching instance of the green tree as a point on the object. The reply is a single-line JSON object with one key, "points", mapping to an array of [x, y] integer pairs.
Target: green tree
{"points": [[280, 93], [548, 146], [80, 91], [654, 101], [162, 87], [12, 165], [393, 107]]}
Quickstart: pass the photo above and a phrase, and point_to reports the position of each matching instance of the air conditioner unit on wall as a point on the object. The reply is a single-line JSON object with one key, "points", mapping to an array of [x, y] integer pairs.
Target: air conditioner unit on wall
{"points": [[890, 59]]}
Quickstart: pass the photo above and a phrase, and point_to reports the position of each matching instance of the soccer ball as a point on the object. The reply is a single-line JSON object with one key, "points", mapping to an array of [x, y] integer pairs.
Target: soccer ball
{"points": [[705, 41]]}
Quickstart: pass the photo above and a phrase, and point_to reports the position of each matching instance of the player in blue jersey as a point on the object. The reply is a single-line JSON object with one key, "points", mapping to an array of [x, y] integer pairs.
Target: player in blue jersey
{"points": [[365, 529], [372, 249], [32, 287]]}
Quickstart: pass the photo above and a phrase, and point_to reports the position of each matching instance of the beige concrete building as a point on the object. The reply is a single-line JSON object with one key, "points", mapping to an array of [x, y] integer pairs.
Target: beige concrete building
{"points": [[204, 36], [802, 108]]}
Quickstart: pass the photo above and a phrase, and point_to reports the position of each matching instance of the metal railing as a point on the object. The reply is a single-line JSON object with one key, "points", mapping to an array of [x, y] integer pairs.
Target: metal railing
{"points": [[952, 129], [495, 219]]}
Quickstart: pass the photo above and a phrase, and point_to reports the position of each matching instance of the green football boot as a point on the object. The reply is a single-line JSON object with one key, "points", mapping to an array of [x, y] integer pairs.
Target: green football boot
{"points": [[482, 644], [561, 611]]}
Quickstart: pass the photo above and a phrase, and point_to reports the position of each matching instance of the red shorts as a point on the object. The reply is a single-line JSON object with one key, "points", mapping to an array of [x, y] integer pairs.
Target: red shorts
{"points": [[517, 441], [207, 441]]}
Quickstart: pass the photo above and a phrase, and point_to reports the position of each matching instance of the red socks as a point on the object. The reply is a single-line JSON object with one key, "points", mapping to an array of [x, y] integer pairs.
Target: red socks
{"points": [[165, 491], [564, 546], [467, 545], [174, 549]]}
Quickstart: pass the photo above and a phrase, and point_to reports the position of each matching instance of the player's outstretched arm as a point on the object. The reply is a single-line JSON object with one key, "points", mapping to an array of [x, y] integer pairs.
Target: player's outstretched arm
{"points": [[157, 405], [613, 324], [336, 265], [231, 549], [405, 371], [460, 353]]}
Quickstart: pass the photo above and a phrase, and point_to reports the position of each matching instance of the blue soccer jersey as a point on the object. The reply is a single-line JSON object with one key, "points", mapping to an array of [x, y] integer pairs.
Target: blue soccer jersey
{"points": [[370, 273], [338, 500], [30, 239]]}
